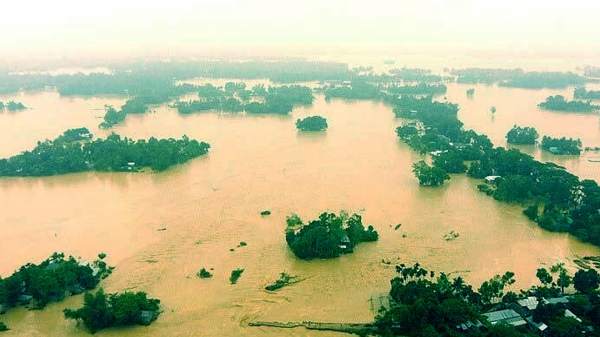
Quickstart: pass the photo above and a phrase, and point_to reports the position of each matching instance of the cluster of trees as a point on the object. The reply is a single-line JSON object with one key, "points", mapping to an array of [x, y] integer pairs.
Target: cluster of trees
{"points": [[51, 280], [418, 89], [424, 303], [522, 135], [517, 78], [358, 89], [544, 80], [329, 236], [312, 123], [562, 145], [484, 75], [558, 103], [101, 310], [106, 155], [412, 75], [235, 98], [581, 93], [12, 106], [563, 202], [430, 175]]}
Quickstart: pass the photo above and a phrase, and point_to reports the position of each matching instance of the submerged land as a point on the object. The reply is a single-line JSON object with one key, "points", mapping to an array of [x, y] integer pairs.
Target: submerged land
{"points": [[420, 301]]}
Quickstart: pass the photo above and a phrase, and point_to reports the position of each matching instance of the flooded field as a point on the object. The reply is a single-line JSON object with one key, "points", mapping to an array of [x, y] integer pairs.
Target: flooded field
{"points": [[259, 163]]}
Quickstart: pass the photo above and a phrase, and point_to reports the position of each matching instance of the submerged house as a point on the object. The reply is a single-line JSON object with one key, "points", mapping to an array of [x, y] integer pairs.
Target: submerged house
{"points": [[345, 242]]}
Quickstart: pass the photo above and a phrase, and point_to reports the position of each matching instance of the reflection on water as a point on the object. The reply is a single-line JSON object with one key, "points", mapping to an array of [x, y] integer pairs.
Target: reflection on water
{"points": [[256, 163]]}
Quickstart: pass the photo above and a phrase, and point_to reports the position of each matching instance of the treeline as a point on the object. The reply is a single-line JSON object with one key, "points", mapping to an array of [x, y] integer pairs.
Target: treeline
{"points": [[419, 89], [562, 145], [101, 310], [141, 77], [517, 78], [50, 281], [558, 103], [112, 154], [560, 201], [581, 93], [12, 106], [426, 303], [235, 98], [327, 237]]}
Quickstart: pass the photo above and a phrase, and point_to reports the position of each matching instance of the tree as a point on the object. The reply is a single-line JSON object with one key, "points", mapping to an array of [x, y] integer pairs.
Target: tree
{"points": [[544, 276], [101, 311], [564, 280], [429, 175], [522, 136], [329, 236], [586, 281], [312, 123]]}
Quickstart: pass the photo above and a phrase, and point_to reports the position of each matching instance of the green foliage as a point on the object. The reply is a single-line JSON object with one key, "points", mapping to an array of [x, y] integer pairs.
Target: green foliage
{"points": [[266, 212], [293, 220], [581, 93], [203, 273], [358, 89], [531, 212], [558, 103], [492, 291], [544, 276], [419, 89], [329, 236], [586, 281], [235, 275], [421, 304], [112, 117], [74, 135], [470, 92], [51, 280], [429, 175], [562, 145], [134, 105], [1, 105], [101, 311], [15, 106], [312, 123], [113, 154], [522, 136], [450, 161]]}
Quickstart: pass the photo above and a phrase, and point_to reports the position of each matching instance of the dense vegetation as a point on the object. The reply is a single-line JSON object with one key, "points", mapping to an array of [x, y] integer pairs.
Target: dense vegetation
{"points": [[51, 280], [522, 135], [106, 155], [12, 106], [563, 202], [312, 123], [424, 303], [329, 236], [418, 89], [429, 175], [235, 98], [558, 103], [561, 145], [517, 78], [101, 311], [358, 89], [581, 93]]}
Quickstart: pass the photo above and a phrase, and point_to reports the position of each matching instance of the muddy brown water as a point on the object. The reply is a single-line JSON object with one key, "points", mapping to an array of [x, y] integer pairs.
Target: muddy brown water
{"points": [[262, 163]]}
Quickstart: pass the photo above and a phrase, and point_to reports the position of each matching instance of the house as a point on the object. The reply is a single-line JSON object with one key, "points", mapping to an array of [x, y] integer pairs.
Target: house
{"points": [[491, 179], [345, 242], [555, 150], [508, 316], [147, 316]]}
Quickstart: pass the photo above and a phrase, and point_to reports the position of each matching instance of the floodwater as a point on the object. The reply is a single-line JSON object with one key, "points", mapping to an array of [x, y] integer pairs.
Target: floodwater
{"points": [[257, 163]]}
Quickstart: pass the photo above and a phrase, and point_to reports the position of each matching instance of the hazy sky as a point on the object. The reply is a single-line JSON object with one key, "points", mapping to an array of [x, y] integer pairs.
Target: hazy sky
{"points": [[62, 26]]}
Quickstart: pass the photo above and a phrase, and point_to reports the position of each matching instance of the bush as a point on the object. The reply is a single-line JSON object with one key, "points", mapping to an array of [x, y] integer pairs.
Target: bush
{"points": [[312, 123], [235, 275], [203, 273]]}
